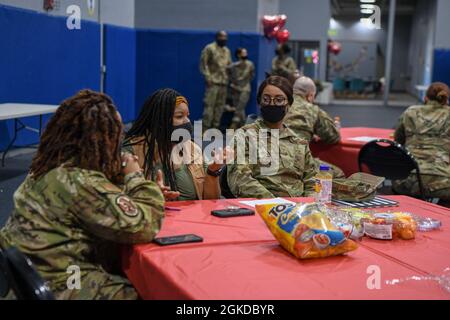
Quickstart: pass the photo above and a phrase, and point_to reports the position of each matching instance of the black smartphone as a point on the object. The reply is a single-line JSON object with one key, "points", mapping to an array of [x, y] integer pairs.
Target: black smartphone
{"points": [[185, 238], [229, 213]]}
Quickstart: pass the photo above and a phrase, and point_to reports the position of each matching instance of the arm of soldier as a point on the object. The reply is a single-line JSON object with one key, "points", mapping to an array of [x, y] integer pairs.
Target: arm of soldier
{"points": [[240, 176], [326, 129], [204, 65], [252, 72], [309, 173], [249, 73], [243, 185], [133, 215], [274, 64], [399, 134], [289, 67]]}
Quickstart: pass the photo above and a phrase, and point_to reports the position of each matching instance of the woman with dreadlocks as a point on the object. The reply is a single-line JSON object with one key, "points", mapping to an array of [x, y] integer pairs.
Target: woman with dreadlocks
{"points": [[69, 206], [178, 164]]}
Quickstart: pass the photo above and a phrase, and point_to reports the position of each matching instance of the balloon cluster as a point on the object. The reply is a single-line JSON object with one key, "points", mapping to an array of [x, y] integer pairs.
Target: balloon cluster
{"points": [[334, 47], [273, 28]]}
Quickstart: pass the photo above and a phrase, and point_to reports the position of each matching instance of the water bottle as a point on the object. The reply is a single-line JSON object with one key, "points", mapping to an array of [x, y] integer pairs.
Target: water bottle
{"points": [[323, 185]]}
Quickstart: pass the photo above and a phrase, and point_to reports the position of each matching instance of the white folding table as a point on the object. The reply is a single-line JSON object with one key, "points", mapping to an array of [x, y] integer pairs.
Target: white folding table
{"points": [[16, 111]]}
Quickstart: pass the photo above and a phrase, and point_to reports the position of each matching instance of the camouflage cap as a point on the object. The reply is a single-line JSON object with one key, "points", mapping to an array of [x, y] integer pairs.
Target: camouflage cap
{"points": [[358, 187]]}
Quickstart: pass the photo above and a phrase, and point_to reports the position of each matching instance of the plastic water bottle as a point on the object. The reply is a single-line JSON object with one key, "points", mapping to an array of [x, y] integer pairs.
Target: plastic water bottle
{"points": [[337, 123], [323, 185]]}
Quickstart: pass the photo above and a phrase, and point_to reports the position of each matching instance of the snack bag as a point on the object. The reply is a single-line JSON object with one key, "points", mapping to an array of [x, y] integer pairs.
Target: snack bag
{"points": [[358, 217], [308, 230], [388, 226]]}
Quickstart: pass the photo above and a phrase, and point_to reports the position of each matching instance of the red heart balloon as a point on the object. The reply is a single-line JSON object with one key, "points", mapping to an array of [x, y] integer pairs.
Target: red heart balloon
{"points": [[270, 25], [283, 20], [334, 47], [283, 36]]}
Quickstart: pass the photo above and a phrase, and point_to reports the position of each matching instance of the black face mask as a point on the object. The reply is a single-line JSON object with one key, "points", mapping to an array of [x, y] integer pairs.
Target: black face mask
{"points": [[186, 126], [221, 43], [273, 114]]}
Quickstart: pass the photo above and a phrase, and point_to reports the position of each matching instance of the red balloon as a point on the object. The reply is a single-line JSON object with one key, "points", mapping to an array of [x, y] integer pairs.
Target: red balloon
{"points": [[334, 47], [283, 20], [283, 36], [270, 25]]}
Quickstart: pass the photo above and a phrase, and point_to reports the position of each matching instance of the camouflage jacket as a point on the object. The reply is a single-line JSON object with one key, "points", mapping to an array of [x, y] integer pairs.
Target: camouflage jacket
{"points": [[242, 74], [283, 67], [307, 120], [214, 62], [425, 132], [290, 175], [65, 217]]}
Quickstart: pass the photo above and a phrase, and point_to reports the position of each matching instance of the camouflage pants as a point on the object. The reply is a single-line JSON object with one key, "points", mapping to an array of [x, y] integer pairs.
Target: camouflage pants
{"points": [[435, 186], [214, 103], [240, 101], [98, 285], [95, 286]]}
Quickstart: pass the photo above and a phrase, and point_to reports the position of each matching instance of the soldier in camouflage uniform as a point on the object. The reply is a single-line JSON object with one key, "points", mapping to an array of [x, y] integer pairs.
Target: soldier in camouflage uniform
{"points": [[283, 65], [215, 59], [295, 168], [69, 209], [425, 132], [307, 119], [242, 74]]}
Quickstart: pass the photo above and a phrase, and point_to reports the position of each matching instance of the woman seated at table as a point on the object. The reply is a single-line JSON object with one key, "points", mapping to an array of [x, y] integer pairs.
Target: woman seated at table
{"points": [[69, 210], [187, 176], [288, 174], [425, 132]]}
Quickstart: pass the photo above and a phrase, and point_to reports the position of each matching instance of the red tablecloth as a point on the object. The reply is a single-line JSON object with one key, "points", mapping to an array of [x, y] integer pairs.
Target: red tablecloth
{"points": [[239, 259], [345, 153]]}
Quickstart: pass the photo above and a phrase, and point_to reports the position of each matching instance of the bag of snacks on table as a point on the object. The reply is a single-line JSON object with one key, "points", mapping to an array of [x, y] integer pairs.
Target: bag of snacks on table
{"points": [[309, 230], [358, 217], [388, 226]]}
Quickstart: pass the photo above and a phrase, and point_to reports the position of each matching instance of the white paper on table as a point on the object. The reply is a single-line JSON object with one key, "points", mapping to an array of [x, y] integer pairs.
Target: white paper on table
{"points": [[364, 139], [266, 201]]}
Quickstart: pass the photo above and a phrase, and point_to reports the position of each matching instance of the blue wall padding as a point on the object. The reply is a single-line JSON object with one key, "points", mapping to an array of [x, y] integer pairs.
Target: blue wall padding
{"points": [[43, 62], [441, 69], [120, 61], [170, 58]]}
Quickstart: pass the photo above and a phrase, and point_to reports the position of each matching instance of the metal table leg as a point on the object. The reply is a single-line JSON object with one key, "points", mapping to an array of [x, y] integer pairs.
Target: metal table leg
{"points": [[18, 125]]}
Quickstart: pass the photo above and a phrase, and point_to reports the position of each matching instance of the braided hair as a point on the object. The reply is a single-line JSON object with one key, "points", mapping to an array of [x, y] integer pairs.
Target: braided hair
{"points": [[86, 132], [155, 124]]}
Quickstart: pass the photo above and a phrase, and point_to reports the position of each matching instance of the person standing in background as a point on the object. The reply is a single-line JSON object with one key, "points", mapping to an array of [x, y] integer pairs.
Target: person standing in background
{"points": [[214, 61], [283, 65], [242, 74]]}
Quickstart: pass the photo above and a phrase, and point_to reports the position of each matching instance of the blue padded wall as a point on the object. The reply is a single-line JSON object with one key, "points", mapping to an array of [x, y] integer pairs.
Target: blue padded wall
{"points": [[441, 69], [170, 58], [43, 62], [120, 61]]}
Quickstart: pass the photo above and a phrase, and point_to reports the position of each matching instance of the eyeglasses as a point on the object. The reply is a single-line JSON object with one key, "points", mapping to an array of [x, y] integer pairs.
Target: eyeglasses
{"points": [[279, 101]]}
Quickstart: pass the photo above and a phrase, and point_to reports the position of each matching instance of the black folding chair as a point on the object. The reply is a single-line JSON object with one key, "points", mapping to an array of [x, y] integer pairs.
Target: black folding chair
{"points": [[386, 158], [225, 188], [18, 273], [4, 279]]}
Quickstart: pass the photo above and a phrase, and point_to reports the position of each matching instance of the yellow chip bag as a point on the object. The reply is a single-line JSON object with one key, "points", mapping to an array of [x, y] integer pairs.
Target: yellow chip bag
{"points": [[308, 230]]}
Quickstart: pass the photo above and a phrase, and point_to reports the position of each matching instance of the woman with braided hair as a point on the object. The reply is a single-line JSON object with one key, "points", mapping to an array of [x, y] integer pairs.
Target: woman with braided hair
{"points": [[70, 206], [154, 139]]}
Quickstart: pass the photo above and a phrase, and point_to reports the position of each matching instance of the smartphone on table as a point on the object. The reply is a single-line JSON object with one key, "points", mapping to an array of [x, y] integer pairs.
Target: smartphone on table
{"points": [[172, 240]]}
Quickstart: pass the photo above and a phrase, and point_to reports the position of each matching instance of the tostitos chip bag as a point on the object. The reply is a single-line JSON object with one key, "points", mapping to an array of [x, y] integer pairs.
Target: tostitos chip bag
{"points": [[309, 230]]}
